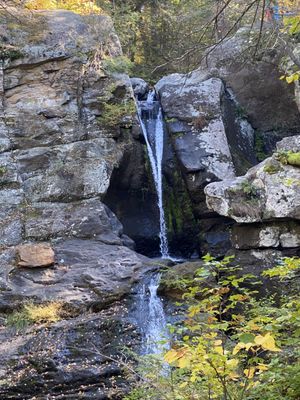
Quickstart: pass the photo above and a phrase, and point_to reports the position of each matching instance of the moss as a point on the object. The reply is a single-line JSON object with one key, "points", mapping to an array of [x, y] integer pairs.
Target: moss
{"points": [[3, 171], [259, 147], [294, 159], [114, 114], [272, 168], [117, 65], [9, 52], [248, 189], [178, 134], [178, 207], [32, 314], [288, 157], [241, 112], [170, 120]]}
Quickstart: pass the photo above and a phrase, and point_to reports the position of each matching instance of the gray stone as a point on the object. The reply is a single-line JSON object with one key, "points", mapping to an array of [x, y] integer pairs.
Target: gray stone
{"points": [[140, 87], [280, 234], [192, 105], [53, 174], [263, 194], [82, 219], [86, 272], [68, 359], [268, 101]]}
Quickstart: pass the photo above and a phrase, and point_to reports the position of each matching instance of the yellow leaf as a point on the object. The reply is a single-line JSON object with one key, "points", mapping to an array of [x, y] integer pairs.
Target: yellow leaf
{"points": [[262, 367], [233, 363], [267, 342], [249, 372], [183, 362], [282, 77], [218, 342], [171, 356], [289, 79], [183, 385], [219, 349], [238, 347]]}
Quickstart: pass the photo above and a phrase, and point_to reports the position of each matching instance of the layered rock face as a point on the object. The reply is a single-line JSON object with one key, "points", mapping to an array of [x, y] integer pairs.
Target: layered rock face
{"points": [[265, 202], [59, 146]]}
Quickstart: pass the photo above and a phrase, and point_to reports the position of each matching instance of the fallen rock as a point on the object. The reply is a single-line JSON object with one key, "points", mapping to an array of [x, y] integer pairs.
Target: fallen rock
{"points": [[35, 255]]}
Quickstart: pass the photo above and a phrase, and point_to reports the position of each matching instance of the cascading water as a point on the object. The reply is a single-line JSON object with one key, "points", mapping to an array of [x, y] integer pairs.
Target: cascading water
{"points": [[151, 317], [151, 121], [150, 310]]}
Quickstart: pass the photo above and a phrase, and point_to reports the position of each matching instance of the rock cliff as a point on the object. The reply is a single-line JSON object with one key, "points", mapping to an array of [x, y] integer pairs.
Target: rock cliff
{"points": [[66, 122]]}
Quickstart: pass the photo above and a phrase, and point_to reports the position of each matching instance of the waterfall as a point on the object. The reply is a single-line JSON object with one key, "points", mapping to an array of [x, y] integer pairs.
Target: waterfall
{"points": [[151, 317], [151, 121]]}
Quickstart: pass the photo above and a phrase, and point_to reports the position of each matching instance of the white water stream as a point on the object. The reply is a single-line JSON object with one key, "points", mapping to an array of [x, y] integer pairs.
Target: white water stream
{"points": [[151, 120], [151, 316], [150, 308]]}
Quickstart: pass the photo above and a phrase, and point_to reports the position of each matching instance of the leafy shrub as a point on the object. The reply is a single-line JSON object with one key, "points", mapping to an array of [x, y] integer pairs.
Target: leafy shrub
{"points": [[231, 345]]}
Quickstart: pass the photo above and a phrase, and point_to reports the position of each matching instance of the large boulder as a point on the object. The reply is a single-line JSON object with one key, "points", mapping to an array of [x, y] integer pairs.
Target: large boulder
{"points": [[268, 101], [86, 274], [268, 191], [192, 106], [267, 199], [211, 143]]}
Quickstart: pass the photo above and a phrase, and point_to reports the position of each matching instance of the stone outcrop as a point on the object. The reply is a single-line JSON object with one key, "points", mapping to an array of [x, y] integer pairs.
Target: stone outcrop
{"points": [[59, 146], [223, 118], [265, 202], [69, 359], [268, 102], [211, 143], [66, 125]]}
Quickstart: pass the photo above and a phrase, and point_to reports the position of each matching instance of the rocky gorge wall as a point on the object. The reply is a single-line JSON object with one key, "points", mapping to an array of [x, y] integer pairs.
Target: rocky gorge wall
{"points": [[222, 119], [66, 124], [73, 165]]}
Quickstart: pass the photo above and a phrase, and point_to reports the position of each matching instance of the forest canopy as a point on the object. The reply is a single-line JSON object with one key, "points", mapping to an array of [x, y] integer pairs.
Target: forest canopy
{"points": [[162, 36]]}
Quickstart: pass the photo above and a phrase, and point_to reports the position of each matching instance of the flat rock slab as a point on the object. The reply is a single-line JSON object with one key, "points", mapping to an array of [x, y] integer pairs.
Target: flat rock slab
{"points": [[86, 274], [35, 255]]}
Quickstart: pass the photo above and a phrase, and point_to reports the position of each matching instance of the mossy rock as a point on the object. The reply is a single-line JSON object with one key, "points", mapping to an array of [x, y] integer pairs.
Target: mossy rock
{"points": [[272, 167], [294, 159], [289, 157], [9, 52]]}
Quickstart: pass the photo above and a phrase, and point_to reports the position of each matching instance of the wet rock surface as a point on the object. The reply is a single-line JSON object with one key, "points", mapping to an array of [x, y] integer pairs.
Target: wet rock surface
{"points": [[71, 359]]}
